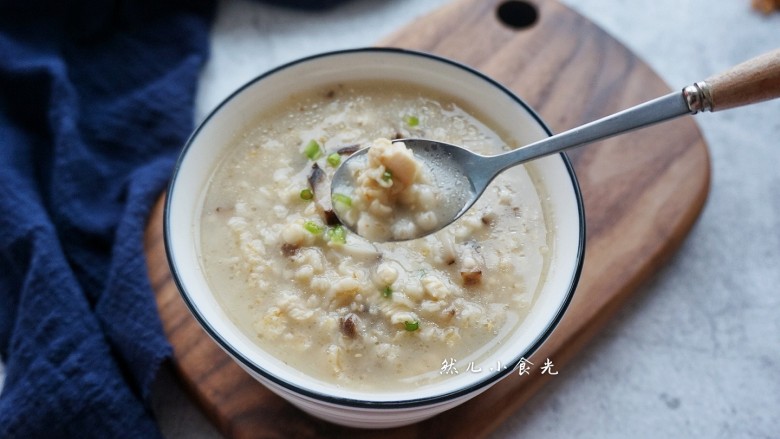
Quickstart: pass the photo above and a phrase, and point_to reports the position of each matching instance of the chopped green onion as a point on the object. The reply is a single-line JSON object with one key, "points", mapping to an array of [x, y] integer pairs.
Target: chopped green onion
{"points": [[387, 176], [334, 159], [412, 121], [337, 235], [312, 227], [412, 326], [387, 292], [307, 194], [343, 199], [312, 150]]}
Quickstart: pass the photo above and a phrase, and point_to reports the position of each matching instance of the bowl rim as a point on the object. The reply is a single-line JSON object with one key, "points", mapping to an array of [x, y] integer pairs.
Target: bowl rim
{"points": [[299, 390]]}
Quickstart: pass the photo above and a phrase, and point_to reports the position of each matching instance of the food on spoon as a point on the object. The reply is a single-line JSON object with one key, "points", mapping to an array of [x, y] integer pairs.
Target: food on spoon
{"points": [[393, 198]]}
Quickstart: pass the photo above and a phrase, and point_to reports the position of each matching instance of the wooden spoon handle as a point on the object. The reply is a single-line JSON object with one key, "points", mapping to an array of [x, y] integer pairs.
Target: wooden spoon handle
{"points": [[752, 81]]}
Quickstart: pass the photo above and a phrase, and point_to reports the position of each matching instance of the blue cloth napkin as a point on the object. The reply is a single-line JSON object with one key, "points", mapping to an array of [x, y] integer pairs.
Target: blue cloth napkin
{"points": [[96, 100]]}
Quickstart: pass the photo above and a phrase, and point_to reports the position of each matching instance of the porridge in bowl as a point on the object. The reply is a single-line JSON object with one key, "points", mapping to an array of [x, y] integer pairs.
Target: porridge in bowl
{"points": [[366, 315]]}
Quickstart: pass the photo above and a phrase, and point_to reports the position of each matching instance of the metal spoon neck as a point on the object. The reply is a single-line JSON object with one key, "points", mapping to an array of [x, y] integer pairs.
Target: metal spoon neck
{"points": [[649, 113]]}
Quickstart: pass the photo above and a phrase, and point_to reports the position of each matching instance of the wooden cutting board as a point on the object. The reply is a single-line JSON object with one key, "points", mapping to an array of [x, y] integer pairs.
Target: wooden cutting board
{"points": [[642, 191]]}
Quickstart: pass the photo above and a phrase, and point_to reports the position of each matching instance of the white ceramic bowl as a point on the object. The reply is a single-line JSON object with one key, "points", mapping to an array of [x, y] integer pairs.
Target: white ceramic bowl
{"points": [[326, 400]]}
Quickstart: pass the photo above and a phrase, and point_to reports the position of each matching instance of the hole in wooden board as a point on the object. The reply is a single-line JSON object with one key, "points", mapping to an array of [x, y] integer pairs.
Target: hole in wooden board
{"points": [[517, 14]]}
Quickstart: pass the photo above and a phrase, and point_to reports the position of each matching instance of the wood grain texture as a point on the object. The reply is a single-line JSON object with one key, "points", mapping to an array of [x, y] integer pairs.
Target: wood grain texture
{"points": [[752, 81], [643, 191]]}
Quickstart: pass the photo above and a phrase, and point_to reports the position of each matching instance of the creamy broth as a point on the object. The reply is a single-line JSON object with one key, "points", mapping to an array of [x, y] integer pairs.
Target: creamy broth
{"points": [[365, 315]]}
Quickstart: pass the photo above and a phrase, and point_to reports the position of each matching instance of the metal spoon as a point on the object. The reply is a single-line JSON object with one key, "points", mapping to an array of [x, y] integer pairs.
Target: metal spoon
{"points": [[752, 81]]}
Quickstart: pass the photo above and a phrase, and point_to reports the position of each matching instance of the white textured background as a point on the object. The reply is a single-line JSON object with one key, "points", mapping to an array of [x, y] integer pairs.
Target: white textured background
{"points": [[697, 352]]}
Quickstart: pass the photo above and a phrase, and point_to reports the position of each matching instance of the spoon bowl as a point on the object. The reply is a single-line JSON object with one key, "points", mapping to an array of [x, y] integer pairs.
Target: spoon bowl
{"points": [[450, 166]]}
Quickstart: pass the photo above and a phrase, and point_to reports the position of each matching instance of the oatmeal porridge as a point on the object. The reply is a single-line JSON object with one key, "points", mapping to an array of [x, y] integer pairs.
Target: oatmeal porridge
{"points": [[345, 309]]}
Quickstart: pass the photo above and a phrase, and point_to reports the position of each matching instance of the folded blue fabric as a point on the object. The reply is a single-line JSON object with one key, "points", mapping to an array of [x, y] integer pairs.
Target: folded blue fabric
{"points": [[96, 100]]}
